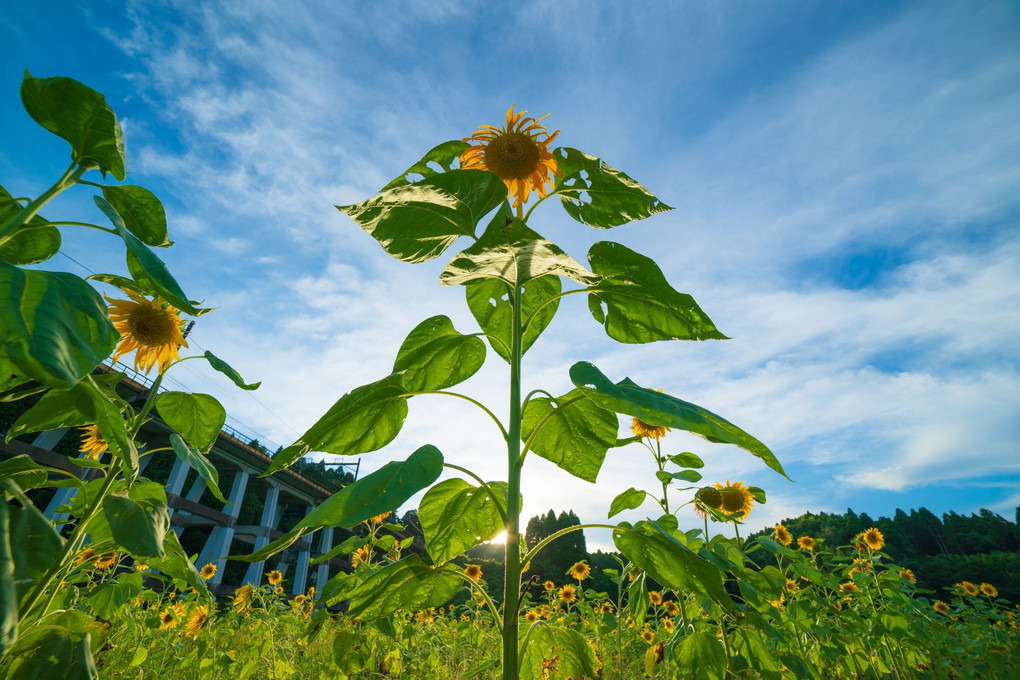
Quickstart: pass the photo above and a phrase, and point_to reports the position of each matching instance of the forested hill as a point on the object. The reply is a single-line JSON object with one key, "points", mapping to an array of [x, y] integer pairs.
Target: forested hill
{"points": [[981, 547]]}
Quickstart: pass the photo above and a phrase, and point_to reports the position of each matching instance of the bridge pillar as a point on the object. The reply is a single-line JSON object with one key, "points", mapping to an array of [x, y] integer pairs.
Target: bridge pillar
{"points": [[217, 546], [269, 511], [301, 568], [322, 575]]}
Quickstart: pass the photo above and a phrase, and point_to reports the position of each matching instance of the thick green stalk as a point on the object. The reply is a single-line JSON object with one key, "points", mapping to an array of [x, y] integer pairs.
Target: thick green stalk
{"points": [[512, 585], [68, 179]]}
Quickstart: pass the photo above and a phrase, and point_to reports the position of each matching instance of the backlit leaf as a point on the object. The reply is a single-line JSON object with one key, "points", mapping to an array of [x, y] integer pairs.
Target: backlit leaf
{"points": [[575, 432], [456, 516], [596, 194], [138, 518], [489, 302], [409, 584], [34, 242], [628, 500], [35, 544], [81, 116], [446, 156], [8, 588], [656, 408], [224, 368], [417, 222], [574, 655], [58, 408], [700, 655], [640, 305], [141, 211], [206, 470], [435, 356], [198, 418]]}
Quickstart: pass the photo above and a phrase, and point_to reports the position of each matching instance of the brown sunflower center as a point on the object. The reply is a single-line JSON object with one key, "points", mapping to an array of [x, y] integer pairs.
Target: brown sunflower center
{"points": [[512, 155], [150, 326], [732, 500], [710, 497]]}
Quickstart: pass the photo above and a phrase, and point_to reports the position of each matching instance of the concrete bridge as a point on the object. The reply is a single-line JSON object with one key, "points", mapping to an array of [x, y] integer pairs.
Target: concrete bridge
{"points": [[239, 464]]}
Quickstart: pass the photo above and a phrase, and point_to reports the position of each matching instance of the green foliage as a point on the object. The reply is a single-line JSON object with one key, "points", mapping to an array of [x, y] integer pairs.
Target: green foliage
{"points": [[571, 431], [435, 356], [409, 584], [36, 242], [138, 518], [456, 516]]}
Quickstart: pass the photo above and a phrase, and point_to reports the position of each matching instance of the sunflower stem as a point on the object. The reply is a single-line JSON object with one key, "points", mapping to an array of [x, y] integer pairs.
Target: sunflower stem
{"points": [[68, 179], [512, 574]]}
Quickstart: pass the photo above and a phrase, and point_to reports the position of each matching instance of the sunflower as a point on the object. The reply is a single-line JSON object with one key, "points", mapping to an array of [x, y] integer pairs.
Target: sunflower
{"points": [[549, 586], [648, 636], [278, 590], [655, 597], [848, 587], [108, 560], [92, 443], [667, 625], [706, 497], [167, 619], [378, 518], [607, 607], [782, 535], [872, 538], [152, 327], [791, 585], [141, 566], [473, 572], [518, 152], [643, 429], [196, 620], [531, 616], [299, 600], [274, 577], [968, 588], [736, 500], [208, 571], [242, 598], [671, 608], [84, 556], [568, 593], [360, 555], [941, 607], [989, 590], [806, 542], [579, 571]]}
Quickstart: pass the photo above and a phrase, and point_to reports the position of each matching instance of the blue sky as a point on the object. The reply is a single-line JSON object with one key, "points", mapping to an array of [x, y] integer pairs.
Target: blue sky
{"points": [[844, 177]]}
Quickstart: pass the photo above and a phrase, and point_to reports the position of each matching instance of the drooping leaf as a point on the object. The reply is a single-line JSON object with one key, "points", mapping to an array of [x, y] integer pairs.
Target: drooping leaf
{"points": [[54, 654], [640, 305], [198, 418], [35, 544], [408, 584], [435, 356], [123, 283], [575, 432], [101, 409], [417, 222], [23, 471], [138, 518], [107, 598], [352, 651], [489, 302], [691, 476], [456, 516], [54, 326], [34, 242], [141, 211], [8, 588], [148, 270], [628, 500], [671, 563], [445, 156], [699, 654], [596, 194], [556, 653], [58, 408], [385, 489], [365, 419], [656, 408], [206, 470], [10, 377], [512, 253], [175, 564], [224, 368], [81, 116]]}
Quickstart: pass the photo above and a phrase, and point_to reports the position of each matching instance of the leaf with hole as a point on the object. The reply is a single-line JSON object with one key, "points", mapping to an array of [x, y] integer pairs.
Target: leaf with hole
{"points": [[489, 302], [445, 157]]}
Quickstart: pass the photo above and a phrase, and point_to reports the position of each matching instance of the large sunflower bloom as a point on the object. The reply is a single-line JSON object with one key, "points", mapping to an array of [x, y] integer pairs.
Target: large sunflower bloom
{"points": [[643, 429], [872, 538], [736, 500], [783, 535], [579, 571], [196, 620], [518, 152], [568, 593], [92, 443], [151, 327], [473, 572]]}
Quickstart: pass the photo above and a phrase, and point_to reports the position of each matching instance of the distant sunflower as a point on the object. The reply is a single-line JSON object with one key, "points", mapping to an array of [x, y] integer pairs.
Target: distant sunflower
{"points": [[84, 556], [968, 588], [152, 327], [196, 619], [473, 572], [378, 519], [671, 608], [278, 590], [872, 538], [274, 577], [848, 587], [92, 443], [989, 590], [667, 625], [806, 542], [208, 571], [518, 152], [655, 597], [299, 600], [782, 535], [791, 585], [549, 586], [579, 571], [643, 429], [706, 497], [362, 554], [568, 593], [607, 607], [648, 636], [736, 500], [908, 575], [941, 607], [531, 616], [108, 560], [167, 619]]}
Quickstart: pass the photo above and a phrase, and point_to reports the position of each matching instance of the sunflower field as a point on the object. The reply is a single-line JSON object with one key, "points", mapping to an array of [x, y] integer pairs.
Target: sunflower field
{"points": [[110, 592]]}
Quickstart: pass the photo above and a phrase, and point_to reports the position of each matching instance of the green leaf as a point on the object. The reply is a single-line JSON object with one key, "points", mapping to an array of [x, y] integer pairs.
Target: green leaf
{"points": [[10, 377], [206, 470], [656, 408], [176, 565], [53, 326], [640, 305], [123, 283], [699, 654], [363, 420], [573, 432], [198, 418], [489, 302], [141, 211], [671, 563], [106, 599], [513, 253], [80, 115], [691, 476], [456, 516], [23, 471], [628, 500], [34, 242], [35, 544], [596, 194], [417, 222], [148, 270], [687, 460], [385, 489], [98, 408], [59, 408], [352, 651], [54, 654], [8, 588], [435, 356], [574, 656], [224, 368], [445, 155], [138, 518], [409, 584]]}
